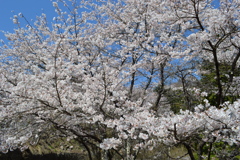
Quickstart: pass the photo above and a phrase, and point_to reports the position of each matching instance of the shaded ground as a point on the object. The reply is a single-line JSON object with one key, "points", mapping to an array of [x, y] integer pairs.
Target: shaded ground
{"points": [[17, 155]]}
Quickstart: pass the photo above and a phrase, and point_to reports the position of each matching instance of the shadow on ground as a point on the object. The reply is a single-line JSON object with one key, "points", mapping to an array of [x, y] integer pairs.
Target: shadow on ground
{"points": [[18, 155]]}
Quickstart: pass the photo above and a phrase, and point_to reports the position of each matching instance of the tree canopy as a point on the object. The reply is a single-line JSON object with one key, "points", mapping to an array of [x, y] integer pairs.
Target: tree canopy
{"points": [[108, 72]]}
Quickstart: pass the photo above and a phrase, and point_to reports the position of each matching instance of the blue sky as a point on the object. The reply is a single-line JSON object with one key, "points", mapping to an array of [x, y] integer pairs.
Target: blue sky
{"points": [[29, 8]]}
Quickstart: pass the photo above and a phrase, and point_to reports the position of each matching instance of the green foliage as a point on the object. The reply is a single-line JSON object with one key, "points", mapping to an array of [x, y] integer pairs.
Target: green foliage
{"points": [[209, 82], [176, 100], [209, 78], [224, 151], [212, 98]]}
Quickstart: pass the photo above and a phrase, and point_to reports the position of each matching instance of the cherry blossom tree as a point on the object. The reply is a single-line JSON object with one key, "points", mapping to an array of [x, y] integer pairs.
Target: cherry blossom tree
{"points": [[92, 75]]}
